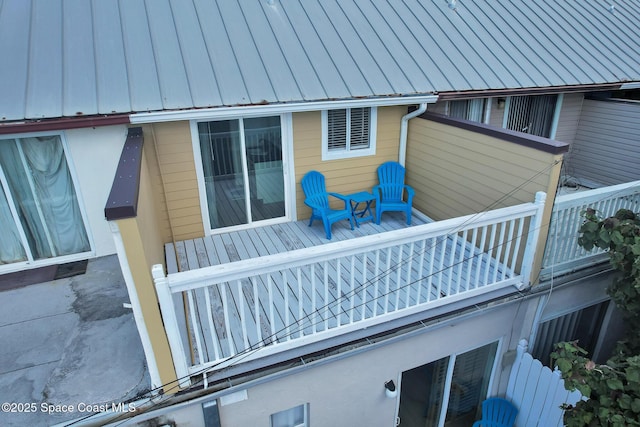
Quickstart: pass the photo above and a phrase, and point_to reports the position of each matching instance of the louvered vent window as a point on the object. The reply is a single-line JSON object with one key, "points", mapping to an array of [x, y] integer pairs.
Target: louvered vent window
{"points": [[348, 132]]}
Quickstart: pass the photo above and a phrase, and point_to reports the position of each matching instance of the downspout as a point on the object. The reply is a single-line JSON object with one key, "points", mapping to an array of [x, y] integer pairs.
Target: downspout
{"points": [[404, 125]]}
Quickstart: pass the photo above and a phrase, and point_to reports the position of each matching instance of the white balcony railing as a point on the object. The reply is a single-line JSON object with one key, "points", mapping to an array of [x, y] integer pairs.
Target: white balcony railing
{"points": [[256, 307], [563, 254]]}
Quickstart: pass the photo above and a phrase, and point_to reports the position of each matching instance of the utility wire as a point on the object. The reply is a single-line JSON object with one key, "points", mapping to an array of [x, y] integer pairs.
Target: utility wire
{"points": [[238, 357]]}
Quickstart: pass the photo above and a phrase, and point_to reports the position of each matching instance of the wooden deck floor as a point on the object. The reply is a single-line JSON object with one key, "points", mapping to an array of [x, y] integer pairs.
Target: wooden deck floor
{"points": [[272, 239], [219, 334]]}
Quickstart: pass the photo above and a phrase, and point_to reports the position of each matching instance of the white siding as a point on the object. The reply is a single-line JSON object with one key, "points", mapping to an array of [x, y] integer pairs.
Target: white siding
{"points": [[606, 148]]}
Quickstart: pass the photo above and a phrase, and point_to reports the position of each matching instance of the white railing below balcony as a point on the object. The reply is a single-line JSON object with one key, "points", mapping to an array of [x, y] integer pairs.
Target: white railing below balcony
{"points": [[256, 307], [563, 254]]}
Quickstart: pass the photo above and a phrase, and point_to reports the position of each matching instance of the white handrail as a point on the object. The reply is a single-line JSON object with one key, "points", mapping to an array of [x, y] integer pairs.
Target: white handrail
{"points": [[281, 301], [192, 279]]}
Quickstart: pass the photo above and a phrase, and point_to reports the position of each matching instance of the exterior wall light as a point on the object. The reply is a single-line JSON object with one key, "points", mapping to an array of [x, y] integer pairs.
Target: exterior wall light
{"points": [[390, 389]]}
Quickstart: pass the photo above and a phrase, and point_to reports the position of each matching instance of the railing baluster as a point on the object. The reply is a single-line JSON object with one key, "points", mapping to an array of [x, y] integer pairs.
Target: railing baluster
{"points": [[326, 295], [314, 308], [409, 274], [439, 271], [453, 238], [272, 318], [352, 287], [387, 280], [507, 252], [376, 274], [227, 324], [489, 253], [472, 258], [482, 246], [461, 259], [365, 285], [399, 276], [339, 290], [214, 336], [243, 316], [432, 257], [196, 331], [256, 309], [300, 302], [498, 255], [287, 307]]}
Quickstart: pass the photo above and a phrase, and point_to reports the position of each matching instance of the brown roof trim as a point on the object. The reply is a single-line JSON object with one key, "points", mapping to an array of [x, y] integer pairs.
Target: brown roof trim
{"points": [[123, 199], [63, 123], [445, 96], [531, 141]]}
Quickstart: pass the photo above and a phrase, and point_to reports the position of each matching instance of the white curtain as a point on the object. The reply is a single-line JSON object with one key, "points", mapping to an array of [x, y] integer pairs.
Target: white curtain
{"points": [[42, 189], [11, 249]]}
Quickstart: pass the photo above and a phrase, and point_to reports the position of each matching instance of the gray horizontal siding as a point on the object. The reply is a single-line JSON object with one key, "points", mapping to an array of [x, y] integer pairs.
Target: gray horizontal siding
{"points": [[74, 57], [606, 149]]}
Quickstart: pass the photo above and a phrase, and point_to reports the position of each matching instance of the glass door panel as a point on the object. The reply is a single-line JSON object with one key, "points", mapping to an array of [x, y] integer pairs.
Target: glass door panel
{"points": [[37, 177], [469, 385], [222, 161], [263, 143], [243, 170], [422, 394]]}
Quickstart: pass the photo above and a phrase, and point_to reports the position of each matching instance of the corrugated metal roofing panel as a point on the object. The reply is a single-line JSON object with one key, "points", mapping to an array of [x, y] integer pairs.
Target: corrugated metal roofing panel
{"points": [[202, 82], [111, 67], [44, 90], [79, 80], [14, 44], [72, 57], [141, 72], [174, 87]]}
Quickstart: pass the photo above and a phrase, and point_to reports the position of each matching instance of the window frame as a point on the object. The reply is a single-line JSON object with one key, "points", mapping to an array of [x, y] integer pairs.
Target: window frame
{"points": [[348, 153], [305, 415], [32, 262]]}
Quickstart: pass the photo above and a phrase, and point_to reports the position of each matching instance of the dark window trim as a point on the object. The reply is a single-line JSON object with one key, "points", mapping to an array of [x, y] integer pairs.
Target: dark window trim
{"points": [[532, 141]]}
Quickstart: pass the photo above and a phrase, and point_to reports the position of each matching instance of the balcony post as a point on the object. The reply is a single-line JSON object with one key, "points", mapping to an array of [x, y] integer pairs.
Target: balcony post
{"points": [[532, 241], [170, 321]]}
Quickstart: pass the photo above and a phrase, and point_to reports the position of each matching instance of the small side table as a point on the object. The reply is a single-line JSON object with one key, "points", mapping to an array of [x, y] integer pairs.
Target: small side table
{"points": [[361, 214]]}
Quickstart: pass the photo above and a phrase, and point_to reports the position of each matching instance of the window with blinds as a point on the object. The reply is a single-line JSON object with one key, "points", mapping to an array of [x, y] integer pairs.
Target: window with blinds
{"points": [[584, 325], [468, 109], [348, 132], [532, 114]]}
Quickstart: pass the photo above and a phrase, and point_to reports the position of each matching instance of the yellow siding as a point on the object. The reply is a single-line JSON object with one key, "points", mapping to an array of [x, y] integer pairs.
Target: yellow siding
{"points": [[345, 175], [176, 191], [143, 243], [457, 172]]}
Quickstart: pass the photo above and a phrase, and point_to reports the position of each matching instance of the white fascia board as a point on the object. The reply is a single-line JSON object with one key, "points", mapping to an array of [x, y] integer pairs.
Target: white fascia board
{"points": [[630, 85], [270, 109]]}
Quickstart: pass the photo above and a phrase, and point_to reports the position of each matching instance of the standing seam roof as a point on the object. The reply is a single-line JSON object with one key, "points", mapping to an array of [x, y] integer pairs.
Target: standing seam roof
{"points": [[78, 57]]}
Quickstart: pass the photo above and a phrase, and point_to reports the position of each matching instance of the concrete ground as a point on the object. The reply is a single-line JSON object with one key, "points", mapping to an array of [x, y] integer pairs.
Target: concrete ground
{"points": [[69, 342]]}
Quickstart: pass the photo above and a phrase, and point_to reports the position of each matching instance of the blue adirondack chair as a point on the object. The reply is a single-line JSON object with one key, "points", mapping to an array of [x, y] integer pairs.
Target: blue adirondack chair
{"points": [[391, 190], [497, 412], [317, 198]]}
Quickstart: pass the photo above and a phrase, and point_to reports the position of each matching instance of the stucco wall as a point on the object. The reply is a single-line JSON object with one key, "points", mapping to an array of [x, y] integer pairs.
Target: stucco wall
{"points": [[94, 154], [345, 175], [350, 391]]}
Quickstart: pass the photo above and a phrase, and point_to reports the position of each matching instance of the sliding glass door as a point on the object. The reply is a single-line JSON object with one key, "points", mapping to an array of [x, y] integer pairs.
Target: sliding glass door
{"points": [[39, 212], [243, 170], [447, 392]]}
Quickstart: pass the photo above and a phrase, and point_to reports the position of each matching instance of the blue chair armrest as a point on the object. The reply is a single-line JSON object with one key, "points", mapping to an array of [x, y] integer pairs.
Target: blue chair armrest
{"points": [[342, 197], [410, 193]]}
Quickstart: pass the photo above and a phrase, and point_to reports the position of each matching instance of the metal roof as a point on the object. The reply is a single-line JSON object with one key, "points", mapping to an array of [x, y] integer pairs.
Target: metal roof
{"points": [[78, 57]]}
